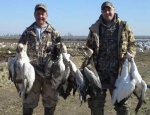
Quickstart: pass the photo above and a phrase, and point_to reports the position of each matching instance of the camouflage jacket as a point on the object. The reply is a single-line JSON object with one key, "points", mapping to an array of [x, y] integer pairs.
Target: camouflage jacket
{"points": [[126, 40], [36, 48]]}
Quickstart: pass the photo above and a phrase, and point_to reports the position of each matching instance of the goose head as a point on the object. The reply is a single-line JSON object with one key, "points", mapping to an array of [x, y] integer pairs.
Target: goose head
{"points": [[87, 51], [22, 47]]}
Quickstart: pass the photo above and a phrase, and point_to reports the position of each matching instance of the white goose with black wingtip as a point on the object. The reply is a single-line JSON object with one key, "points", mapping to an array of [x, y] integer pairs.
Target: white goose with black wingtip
{"points": [[140, 86], [129, 82], [22, 72], [125, 84]]}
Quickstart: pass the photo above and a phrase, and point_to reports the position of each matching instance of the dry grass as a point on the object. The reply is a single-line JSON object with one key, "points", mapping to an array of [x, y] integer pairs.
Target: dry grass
{"points": [[10, 103]]}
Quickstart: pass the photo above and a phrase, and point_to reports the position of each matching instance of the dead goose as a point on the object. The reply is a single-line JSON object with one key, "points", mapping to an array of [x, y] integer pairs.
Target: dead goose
{"points": [[79, 79], [58, 71], [55, 68], [24, 74], [89, 69], [66, 60], [76, 76], [141, 86], [11, 61], [65, 74], [125, 85], [88, 52]]}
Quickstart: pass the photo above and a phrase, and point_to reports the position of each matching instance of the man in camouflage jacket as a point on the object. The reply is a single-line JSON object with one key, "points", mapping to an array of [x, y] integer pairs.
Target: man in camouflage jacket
{"points": [[110, 38], [38, 37]]}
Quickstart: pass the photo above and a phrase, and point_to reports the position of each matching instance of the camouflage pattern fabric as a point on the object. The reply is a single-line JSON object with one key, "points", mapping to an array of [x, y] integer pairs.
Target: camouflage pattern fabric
{"points": [[36, 49], [96, 104], [123, 42], [107, 60], [38, 54]]}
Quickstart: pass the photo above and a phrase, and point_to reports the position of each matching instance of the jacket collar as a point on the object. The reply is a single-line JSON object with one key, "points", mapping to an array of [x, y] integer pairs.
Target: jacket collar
{"points": [[95, 27], [31, 30]]}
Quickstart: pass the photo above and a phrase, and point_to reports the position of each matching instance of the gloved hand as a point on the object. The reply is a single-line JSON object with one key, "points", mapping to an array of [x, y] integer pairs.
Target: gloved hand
{"points": [[128, 56], [49, 49]]}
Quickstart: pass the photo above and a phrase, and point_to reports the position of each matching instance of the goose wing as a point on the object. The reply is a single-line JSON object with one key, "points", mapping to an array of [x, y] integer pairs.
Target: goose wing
{"points": [[140, 94], [92, 78], [79, 79], [29, 75], [141, 86], [81, 85], [127, 90], [58, 69], [18, 74], [11, 62], [125, 69], [124, 74], [122, 84], [134, 72], [114, 96], [68, 81], [10, 68]]}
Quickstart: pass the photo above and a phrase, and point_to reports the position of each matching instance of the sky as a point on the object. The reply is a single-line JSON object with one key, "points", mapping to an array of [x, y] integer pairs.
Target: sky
{"points": [[72, 16]]}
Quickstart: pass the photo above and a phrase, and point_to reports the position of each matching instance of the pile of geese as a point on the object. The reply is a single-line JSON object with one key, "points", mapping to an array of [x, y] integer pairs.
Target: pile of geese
{"points": [[129, 82], [66, 76]]}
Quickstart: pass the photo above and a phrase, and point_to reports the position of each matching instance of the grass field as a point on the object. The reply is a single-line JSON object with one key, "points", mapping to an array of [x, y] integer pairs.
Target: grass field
{"points": [[10, 103]]}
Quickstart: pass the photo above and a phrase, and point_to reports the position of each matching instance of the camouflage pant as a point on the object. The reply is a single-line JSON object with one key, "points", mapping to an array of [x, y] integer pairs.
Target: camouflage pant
{"points": [[41, 86], [96, 104]]}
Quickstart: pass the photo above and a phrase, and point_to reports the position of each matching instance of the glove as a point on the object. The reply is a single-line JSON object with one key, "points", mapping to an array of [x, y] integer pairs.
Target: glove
{"points": [[128, 56]]}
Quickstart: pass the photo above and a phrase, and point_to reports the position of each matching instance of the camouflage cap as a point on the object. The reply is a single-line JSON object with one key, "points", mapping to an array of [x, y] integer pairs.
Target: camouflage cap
{"points": [[43, 6], [107, 3]]}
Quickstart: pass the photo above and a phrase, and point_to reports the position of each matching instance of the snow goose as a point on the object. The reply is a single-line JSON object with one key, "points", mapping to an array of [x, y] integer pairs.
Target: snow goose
{"points": [[140, 50], [24, 74], [125, 85], [141, 86], [11, 61], [88, 52]]}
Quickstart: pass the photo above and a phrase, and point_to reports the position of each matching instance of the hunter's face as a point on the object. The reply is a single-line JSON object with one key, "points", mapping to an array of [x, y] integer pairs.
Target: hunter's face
{"points": [[108, 13], [40, 17]]}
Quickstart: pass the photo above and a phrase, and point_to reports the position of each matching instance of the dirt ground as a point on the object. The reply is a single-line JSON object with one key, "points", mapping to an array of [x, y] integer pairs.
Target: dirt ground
{"points": [[10, 103]]}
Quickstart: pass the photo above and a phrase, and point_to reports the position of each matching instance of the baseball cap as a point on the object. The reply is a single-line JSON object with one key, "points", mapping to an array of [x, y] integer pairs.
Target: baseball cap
{"points": [[107, 3], [43, 6]]}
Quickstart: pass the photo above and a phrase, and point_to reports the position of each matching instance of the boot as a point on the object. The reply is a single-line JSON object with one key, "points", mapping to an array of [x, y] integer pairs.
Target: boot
{"points": [[27, 111], [49, 111], [123, 113], [97, 111], [96, 106], [122, 110]]}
